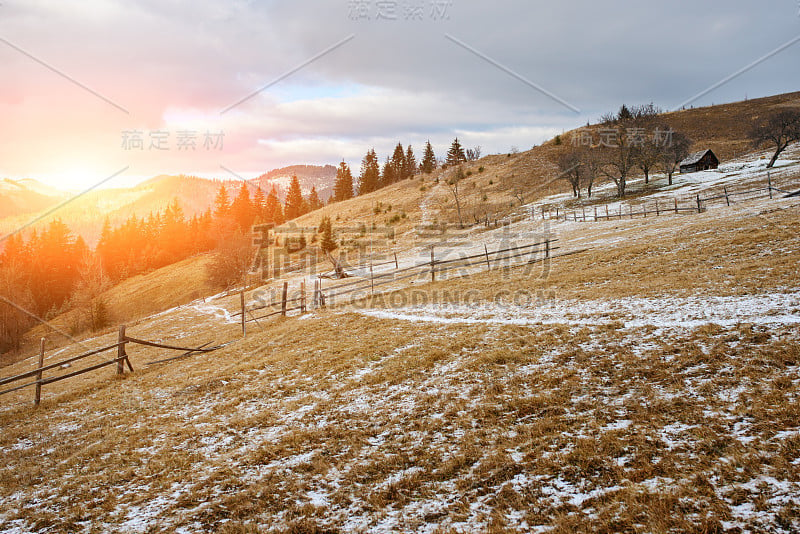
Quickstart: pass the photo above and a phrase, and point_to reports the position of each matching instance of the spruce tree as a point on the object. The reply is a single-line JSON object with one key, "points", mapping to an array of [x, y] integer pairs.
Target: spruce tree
{"points": [[259, 201], [428, 159], [242, 209], [314, 203], [327, 243], [343, 187], [222, 203], [273, 211], [456, 156], [370, 173], [411, 163], [389, 174], [399, 163], [294, 200]]}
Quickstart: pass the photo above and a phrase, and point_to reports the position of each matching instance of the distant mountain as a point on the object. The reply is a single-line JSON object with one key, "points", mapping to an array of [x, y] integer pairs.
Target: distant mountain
{"points": [[21, 201], [321, 177], [20, 197]]}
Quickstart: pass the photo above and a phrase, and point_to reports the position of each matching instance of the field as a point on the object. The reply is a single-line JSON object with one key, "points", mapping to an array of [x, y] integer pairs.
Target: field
{"points": [[645, 379]]}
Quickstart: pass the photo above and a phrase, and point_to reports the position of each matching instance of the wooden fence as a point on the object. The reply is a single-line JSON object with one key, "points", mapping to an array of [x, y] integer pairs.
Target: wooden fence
{"points": [[121, 360], [656, 208], [359, 287]]}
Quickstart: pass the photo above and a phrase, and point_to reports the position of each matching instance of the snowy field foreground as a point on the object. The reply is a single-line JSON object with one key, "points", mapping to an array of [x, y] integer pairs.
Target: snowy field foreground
{"points": [[652, 385]]}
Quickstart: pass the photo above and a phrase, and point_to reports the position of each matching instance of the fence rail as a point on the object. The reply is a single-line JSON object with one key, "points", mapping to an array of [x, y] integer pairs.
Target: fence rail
{"points": [[321, 296], [121, 360], [696, 205]]}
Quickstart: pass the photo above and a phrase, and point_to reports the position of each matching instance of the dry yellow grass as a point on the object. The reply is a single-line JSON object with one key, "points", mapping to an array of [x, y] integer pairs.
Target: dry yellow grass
{"points": [[342, 422]]}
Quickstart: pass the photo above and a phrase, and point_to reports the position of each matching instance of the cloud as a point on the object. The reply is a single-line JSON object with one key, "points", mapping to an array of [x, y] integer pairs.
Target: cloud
{"points": [[177, 65]]}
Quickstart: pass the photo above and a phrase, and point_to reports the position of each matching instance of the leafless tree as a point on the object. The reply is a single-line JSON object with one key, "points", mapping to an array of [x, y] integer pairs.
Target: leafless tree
{"points": [[780, 129], [619, 155], [676, 150], [569, 166], [591, 166], [452, 183], [473, 154]]}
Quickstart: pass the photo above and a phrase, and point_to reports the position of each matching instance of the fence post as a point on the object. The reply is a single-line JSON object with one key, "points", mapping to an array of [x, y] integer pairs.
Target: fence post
{"points": [[121, 351], [283, 298], [595, 214], [657, 211], [433, 272], [321, 295], [556, 212], [727, 200], [303, 296], [698, 203], [396, 265], [676, 204], [547, 249], [371, 281], [38, 397], [583, 211], [769, 185], [244, 320], [607, 216], [488, 265]]}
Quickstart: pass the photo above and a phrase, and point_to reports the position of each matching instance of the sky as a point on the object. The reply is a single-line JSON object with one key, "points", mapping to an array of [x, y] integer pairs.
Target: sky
{"points": [[119, 91]]}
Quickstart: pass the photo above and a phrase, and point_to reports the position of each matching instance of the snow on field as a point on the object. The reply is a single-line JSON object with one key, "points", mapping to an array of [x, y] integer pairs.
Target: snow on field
{"points": [[665, 312]]}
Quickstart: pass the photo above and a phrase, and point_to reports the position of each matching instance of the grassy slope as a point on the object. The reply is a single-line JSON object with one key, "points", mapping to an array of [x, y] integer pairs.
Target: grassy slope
{"points": [[345, 422], [132, 299]]}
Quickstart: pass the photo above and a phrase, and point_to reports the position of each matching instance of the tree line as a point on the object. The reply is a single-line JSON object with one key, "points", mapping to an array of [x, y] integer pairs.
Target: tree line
{"points": [[401, 165], [640, 139]]}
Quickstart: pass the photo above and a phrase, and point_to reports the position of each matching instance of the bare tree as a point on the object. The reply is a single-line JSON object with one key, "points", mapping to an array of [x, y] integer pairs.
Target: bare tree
{"points": [[591, 166], [619, 155], [569, 166], [640, 134], [780, 129], [676, 149], [452, 183], [473, 154]]}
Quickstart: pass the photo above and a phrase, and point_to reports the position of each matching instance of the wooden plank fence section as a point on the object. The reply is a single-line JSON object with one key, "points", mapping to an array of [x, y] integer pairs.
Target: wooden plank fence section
{"points": [[698, 206], [121, 361], [368, 284]]}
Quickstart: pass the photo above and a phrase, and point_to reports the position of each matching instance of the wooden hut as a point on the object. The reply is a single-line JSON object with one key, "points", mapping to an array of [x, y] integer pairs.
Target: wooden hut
{"points": [[700, 161]]}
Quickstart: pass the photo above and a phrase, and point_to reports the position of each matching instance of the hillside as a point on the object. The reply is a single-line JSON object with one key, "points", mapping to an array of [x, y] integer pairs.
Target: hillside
{"points": [[639, 385], [23, 197], [642, 378]]}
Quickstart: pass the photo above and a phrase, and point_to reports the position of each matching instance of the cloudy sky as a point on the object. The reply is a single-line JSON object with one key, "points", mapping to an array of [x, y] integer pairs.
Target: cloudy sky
{"points": [[92, 87]]}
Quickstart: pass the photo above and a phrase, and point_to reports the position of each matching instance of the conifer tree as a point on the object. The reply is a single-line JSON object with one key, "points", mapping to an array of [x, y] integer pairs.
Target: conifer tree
{"points": [[389, 174], [428, 159], [273, 209], [314, 203], [399, 163], [410, 163], [294, 200], [259, 201], [222, 203], [343, 187], [370, 173], [327, 243], [456, 155]]}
